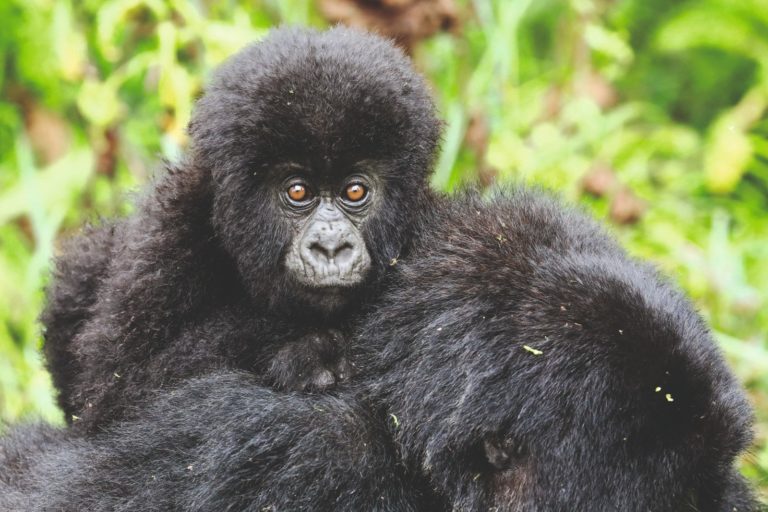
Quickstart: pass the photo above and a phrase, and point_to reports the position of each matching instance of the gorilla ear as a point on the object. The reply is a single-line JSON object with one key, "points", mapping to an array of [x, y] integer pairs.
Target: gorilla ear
{"points": [[503, 454]]}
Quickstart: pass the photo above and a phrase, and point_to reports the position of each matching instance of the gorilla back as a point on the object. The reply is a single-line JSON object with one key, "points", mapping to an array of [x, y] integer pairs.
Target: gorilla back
{"points": [[308, 163], [532, 366]]}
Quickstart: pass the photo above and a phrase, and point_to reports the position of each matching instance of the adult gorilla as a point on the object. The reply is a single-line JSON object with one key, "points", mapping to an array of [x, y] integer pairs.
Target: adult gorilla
{"points": [[518, 361]]}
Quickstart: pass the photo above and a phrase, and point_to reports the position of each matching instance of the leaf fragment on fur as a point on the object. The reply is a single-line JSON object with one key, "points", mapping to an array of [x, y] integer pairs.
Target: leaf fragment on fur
{"points": [[532, 350], [395, 421]]}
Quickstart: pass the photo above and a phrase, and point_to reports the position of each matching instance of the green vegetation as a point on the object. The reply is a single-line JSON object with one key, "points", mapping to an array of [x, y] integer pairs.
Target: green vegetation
{"points": [[652, 113]]}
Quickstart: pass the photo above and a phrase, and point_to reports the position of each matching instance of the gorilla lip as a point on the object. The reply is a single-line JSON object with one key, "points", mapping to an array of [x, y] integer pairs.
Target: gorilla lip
{"points": [[331, 276]]}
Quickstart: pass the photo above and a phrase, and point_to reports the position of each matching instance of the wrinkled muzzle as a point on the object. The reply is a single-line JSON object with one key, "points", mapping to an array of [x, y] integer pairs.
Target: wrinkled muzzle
{"points": [[329, 251]]}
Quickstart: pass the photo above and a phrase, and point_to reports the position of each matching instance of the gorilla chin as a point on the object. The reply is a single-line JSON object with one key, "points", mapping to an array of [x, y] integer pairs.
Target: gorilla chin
{"points": [[328, 296]]}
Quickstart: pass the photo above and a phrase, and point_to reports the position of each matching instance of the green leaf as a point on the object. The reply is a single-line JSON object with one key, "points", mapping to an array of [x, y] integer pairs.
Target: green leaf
{"points": [[111, 17], [56, 186], [726, 156], [713, 27], [99, 103]]}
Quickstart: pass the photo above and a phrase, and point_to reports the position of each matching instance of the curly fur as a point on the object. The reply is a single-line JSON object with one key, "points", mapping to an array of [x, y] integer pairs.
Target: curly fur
{"points": [[70, 297], [193, 280], [518, 360]]}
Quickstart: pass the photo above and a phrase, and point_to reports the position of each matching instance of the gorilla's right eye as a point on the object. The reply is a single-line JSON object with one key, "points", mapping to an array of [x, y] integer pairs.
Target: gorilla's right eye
{"points": [[299, 193]]}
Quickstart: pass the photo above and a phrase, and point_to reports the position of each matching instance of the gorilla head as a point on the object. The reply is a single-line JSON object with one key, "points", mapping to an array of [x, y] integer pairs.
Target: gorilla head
{"points": [[319, 145]]}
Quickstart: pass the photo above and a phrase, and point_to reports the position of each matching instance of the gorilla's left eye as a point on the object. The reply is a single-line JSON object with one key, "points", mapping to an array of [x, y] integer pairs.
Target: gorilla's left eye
{"points": [[355, 192]]}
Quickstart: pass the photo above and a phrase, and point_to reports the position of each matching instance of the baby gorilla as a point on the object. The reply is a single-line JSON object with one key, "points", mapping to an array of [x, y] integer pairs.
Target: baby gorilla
{"points": [[517, 361], [309, 159]]}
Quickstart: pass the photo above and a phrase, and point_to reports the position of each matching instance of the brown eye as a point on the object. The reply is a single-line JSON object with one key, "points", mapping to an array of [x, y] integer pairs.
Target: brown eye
{"points": [[298, 192], [355, 192]]}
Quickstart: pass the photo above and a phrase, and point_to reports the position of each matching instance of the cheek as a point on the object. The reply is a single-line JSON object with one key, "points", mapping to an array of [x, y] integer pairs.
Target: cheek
{"points": [[295, 240], [384, 234], [253, 232]]}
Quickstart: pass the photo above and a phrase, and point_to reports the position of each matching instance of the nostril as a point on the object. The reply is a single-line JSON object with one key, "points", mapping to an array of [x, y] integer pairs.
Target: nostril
{"points": [[327, 251], [319, 251], [343, 253]]}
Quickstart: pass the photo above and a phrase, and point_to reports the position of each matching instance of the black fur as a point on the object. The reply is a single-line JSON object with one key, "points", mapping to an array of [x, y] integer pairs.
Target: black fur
{"points": [[194, 280], [70, 297], [493, 423], [219, 443], [517, 361]]}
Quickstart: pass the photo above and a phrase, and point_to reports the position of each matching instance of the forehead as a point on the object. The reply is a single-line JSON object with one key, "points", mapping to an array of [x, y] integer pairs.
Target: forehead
{"points": [[325, 101], [331, 173], [334, 120]]}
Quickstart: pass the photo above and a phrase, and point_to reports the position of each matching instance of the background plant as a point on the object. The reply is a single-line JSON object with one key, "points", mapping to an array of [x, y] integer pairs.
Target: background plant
{"points": [[651, 113]]}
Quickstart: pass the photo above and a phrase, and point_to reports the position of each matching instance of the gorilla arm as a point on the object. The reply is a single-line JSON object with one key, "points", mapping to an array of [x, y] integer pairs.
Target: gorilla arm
{"points": [[216, 443]]}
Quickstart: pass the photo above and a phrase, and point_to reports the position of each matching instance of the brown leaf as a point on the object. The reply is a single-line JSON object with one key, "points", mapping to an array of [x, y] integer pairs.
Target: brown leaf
{"points": [[25, 226], [487, 175], [107, 152], [48, 133], [626, 207], [405, 21], [552, 103], [478, 132], [598, 89], [599, 181]]}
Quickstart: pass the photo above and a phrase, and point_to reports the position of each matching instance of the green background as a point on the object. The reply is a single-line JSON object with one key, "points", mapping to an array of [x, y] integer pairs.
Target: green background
{"points": [[653, 113]]}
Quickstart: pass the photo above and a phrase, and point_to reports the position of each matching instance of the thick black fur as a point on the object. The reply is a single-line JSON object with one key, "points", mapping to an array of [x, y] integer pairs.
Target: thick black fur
{"points": [[71, 295], [223, 442], [194, 280], [517, 361], [580, 426]]}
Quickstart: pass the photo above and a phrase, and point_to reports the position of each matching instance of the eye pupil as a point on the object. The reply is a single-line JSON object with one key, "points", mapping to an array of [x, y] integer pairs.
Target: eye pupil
{"points": [[355, 192], [297, 192]]}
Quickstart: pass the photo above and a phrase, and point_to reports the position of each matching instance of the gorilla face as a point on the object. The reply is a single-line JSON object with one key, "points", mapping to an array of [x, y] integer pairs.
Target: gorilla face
{"points": [[314, 238], [327, 248], [327, 258], [319, 145]]}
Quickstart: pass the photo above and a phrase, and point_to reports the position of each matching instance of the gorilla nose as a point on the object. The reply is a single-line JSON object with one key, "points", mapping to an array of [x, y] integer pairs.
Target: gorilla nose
{"points": [[337, 251], [330, 254]]}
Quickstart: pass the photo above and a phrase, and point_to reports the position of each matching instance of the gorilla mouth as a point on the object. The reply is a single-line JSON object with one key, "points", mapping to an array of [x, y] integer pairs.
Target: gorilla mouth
{"points": [[334, 273]]}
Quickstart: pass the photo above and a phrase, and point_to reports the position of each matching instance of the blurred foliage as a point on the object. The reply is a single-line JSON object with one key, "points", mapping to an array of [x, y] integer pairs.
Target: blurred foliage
{"points": [[652, 113]]}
